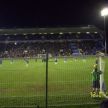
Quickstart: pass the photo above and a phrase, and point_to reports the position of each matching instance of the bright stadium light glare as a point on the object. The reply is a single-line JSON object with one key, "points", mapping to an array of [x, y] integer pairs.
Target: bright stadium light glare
{"points": [[61, 33], [5, 34], [51, 33], [95, 32], [79, 32], [15, 34], [104, 12], [70, 32], [24, 34], [25, 51], [88, 32], [33, 33], [15, 43]]}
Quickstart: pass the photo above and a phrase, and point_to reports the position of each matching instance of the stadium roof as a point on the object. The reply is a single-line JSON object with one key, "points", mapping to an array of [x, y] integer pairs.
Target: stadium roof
{"points": [[49, 30]]}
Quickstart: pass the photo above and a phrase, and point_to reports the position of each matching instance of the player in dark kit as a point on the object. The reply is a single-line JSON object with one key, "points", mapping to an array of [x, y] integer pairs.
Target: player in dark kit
{"points": [[55, 59], [97, 61], [96, 80], [44, 58], [36, 59], [1, 61]]}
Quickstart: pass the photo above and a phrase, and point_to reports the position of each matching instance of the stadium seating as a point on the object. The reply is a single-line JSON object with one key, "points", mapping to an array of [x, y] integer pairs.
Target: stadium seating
{"points": [[15, 45]]}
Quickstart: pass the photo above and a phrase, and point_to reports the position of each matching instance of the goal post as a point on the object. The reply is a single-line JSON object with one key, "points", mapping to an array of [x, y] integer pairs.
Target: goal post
{"points": [[102, 82], [102, 69]]}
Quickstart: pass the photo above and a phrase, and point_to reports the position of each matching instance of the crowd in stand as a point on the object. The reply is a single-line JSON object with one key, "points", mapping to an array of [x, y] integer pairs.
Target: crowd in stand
{"points": [[54, 48], [27, 45], [66, 36]]}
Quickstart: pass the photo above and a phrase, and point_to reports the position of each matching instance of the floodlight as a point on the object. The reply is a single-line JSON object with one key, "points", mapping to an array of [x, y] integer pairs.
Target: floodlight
{"points": [[104, 12]]}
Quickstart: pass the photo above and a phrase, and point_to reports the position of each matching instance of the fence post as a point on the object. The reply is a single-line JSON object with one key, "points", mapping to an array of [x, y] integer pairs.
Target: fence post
{"points": [[46, 100]]}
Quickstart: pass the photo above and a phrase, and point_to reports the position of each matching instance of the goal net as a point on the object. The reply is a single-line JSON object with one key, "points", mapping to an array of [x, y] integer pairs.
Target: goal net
{"points": [[102, 69]]}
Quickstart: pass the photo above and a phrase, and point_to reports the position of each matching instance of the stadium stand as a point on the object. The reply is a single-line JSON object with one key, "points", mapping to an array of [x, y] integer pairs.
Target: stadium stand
{"points": [[61, 41]]}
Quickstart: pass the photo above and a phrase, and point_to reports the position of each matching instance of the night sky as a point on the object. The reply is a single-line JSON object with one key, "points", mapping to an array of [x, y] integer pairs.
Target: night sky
{"points": [[50, 13]]}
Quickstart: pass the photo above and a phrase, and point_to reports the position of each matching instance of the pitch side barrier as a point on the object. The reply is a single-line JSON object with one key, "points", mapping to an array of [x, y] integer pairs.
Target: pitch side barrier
{"points": [[73, 56], [36, 57]]}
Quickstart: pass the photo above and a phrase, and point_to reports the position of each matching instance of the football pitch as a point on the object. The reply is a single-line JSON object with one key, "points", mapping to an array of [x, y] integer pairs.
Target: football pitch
{"points": [[69, 82]]}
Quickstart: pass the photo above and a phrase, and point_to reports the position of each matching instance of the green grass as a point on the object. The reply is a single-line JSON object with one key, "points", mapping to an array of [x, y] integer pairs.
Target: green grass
{"points": [[68, 83]]}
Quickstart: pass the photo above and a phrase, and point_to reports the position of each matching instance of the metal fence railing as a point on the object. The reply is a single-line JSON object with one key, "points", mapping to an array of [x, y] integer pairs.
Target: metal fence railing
{"points": [[56, 81]]}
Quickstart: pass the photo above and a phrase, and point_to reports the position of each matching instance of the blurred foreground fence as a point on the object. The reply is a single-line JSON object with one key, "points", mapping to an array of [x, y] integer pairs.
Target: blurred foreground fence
{"points": [[44, 83]]}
